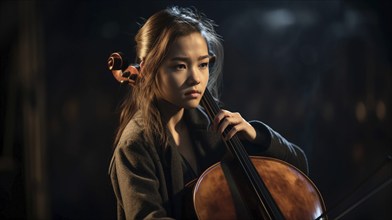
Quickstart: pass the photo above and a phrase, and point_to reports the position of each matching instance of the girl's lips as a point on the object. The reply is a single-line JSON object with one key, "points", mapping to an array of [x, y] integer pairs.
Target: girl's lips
{"points": [[193, 93]]}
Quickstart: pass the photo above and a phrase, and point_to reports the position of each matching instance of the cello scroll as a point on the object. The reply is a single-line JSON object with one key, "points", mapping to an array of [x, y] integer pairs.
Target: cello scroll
{"points": [[122, 70]]}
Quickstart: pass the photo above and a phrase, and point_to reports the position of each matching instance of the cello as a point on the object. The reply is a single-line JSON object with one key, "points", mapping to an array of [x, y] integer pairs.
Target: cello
{"points": [[242, 186]]}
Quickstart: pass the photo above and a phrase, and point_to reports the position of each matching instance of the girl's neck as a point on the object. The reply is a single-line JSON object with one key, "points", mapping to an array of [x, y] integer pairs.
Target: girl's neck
{"points": [[171, 115]]}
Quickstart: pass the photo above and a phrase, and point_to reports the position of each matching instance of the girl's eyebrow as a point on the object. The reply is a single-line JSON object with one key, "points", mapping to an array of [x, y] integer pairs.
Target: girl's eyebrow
{"points": [[184, 59]]}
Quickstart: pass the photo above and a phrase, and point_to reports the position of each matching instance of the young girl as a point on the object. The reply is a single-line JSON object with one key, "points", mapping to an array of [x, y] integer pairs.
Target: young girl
{"points": [[165, 139]]}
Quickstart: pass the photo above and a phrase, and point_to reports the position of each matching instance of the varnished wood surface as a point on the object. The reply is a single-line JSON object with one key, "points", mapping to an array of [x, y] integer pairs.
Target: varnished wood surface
{"points": [[294, 193]]}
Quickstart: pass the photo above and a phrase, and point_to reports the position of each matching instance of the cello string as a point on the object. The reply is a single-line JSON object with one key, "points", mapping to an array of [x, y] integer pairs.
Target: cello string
{"points": [[239, 151], [234, 141], [213, 110], [236, 148]]}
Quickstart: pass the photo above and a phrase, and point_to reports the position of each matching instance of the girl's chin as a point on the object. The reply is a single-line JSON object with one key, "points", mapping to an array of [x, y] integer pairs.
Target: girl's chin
{"points": [[191, 105]]}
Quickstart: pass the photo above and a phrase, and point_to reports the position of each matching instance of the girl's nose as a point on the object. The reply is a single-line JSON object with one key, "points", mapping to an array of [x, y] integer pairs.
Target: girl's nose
{"points": [[194, 77]]}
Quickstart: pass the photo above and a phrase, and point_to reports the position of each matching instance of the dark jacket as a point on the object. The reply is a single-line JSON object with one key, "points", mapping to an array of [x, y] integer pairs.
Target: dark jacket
{"points": [[147, 181]]}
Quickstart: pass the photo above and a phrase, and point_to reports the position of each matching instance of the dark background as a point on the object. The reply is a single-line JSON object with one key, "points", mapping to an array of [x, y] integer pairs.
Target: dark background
{"points": [[318, 72]]}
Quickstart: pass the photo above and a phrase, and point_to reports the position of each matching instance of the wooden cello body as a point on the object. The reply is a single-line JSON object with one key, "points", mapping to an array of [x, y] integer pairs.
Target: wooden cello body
{"points": [[294, 193]]}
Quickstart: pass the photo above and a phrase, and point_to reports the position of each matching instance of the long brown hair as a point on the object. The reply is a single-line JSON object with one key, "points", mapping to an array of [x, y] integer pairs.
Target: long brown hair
{"points": [[152, 43]]}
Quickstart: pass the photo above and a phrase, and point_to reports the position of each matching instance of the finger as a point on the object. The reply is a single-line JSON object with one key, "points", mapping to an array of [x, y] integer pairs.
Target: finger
{"points": [[219, 117], [228, 123], [233, 131], [223, 125]]}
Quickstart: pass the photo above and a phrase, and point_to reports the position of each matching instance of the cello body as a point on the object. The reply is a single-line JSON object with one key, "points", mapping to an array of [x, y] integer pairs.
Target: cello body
{"points": [[294, 193]]}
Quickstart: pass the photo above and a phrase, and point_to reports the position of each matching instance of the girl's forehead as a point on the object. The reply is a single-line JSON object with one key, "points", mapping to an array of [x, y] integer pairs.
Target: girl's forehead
{"points": [[189, 45]]}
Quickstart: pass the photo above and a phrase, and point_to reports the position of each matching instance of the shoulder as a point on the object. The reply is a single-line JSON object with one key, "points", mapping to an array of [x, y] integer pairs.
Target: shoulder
{"points": [[133, 132], [132, 149]]}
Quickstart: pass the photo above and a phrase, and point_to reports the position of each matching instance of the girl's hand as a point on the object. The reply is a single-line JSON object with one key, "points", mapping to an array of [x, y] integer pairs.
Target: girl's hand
{"points": [[236, 125]]}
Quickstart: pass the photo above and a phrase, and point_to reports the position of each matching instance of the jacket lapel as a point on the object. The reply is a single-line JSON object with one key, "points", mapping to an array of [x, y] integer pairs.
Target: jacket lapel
{"points": [[207, 144]]}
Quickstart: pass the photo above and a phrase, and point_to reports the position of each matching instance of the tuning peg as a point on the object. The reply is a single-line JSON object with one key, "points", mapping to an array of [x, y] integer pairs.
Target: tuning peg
{"points": [[133, 77], [126, 74]]}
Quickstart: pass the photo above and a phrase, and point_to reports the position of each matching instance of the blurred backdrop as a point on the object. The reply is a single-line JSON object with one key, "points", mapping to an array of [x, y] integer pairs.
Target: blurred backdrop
{"points": [[318, 72]]}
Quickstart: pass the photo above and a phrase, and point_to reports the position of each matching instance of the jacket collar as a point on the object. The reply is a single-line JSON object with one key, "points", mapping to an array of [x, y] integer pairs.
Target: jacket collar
{"points": [[197, 118]]}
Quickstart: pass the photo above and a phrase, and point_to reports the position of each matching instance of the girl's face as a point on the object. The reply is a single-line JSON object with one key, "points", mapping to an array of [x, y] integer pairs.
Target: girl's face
{"points": [[183, 75]]}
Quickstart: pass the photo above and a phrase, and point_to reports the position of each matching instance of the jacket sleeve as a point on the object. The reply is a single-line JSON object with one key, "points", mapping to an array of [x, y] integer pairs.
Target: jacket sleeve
{"points": [[135, 183], [275, 145]]}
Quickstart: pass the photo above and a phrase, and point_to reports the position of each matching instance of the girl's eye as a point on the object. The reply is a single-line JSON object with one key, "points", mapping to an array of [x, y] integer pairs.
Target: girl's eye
{"points": [[180, 66], [203, 65]]}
